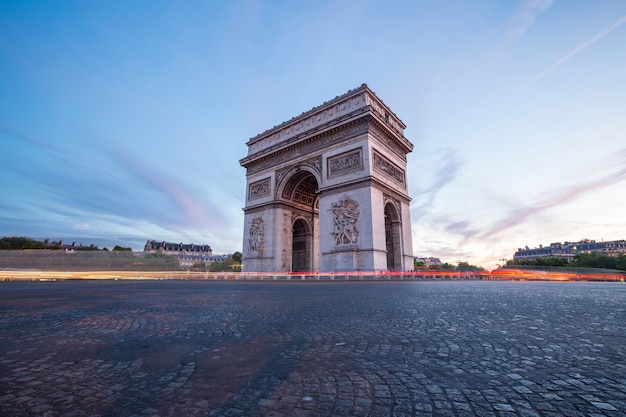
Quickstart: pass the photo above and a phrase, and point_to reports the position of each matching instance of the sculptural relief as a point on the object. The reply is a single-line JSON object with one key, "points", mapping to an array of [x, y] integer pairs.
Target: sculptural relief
{"points": [[259, 189], [256, 238], [383, 165], [345, 162], [316, 163], [345, 219]]}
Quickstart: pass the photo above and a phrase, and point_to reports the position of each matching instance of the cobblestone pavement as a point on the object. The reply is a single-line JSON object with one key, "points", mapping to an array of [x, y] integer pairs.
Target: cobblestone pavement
{"points": [[194, 348]]}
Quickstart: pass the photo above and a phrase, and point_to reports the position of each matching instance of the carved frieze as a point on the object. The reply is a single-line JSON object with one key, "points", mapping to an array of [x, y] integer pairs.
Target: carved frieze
{"points": [[312, 145], [345, 163], [314, 120], [345, 222], [383, 165], [259, 189]]}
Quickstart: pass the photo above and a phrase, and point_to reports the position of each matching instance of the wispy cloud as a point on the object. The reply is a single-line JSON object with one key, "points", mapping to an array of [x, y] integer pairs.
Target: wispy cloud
{"points": [[190, 211], [448, 166], [567, 196], [101, 192], [578, 48], [463, 228], [525, 15]]}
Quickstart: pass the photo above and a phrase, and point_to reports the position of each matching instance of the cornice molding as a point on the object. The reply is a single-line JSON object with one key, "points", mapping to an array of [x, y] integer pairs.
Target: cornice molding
{"points": [[395, 143], [310, 145], [354, 104]]}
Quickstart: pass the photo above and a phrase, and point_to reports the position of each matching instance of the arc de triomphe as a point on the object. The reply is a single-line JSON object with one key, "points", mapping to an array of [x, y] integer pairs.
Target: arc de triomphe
{"points": [[327, 191]]}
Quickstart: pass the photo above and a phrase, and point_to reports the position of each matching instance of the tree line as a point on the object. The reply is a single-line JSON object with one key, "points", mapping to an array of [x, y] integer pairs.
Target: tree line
{"points": [[231, 264], [22, 243], [581, 260], [461, 266]]}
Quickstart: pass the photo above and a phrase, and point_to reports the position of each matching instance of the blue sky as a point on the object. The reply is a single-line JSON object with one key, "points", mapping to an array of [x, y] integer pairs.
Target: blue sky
{"points": [[125, 121]]}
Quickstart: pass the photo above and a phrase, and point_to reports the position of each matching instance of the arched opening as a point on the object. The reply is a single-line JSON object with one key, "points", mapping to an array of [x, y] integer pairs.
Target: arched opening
{"points": [[392, 238], [302, 190], [301, 247], [300, 194]]}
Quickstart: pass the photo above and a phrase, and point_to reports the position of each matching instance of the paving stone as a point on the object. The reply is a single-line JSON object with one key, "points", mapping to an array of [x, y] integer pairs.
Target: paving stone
{"points": [[604, 406], [220, 348]]}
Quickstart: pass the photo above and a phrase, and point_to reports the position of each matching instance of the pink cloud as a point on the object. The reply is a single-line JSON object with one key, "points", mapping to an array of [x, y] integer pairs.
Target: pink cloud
{"points": [[569, 195]]}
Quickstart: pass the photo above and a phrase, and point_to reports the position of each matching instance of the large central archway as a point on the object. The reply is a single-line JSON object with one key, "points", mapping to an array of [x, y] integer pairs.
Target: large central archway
{"points": [[300, 194], [301, 247]]}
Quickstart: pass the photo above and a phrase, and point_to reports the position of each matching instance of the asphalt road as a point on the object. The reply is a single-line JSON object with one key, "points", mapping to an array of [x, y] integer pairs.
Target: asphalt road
{"points": [[219, 348]]}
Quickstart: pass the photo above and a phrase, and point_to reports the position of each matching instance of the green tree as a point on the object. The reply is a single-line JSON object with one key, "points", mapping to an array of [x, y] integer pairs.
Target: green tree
{"points": [[229, 265], [120, 248], [581, 260], [550, 261], [86, 248], [621, 262], [20, 243], [465, 266], [198, 266], [598, 260], [160, 261], [419, 264]]}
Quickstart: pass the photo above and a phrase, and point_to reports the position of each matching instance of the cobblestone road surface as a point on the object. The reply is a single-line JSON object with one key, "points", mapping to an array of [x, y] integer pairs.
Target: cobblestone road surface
{"points": [[189, 348]]}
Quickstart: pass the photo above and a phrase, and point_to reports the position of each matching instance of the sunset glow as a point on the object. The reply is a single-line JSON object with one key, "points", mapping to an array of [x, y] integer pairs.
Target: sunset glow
{"points": [[125, 123]]}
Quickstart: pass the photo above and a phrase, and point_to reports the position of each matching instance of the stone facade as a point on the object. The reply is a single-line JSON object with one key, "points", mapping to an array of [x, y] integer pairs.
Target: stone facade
{"points": [[327, 191], [187, 254], [569, 250]]}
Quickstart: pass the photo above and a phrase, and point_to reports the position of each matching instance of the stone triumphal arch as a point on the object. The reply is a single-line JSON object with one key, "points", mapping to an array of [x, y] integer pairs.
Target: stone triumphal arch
{"points": [[327, 191]]}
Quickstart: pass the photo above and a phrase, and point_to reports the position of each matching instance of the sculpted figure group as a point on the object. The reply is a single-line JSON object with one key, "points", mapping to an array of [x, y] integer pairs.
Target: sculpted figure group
{"points": [[256, 238], [345, 228]]}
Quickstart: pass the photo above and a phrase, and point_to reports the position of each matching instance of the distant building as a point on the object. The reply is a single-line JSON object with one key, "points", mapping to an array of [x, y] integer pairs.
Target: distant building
{"points": [[427, 262], [187, 254], [568, 250], [68, 248]]}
